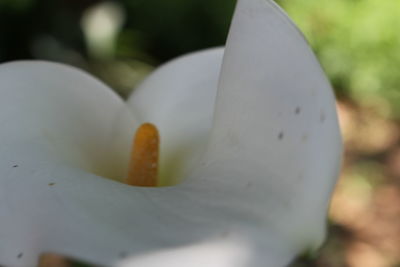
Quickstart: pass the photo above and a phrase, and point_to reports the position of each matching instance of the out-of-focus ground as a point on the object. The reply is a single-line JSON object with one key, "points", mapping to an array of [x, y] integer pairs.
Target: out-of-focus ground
{"points": [[365, 209], [357, 42]]}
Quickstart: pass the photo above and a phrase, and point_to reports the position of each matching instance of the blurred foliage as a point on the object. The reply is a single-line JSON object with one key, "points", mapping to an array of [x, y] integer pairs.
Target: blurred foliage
{"points": [[15, 4], [357, 42], [166, 29], [155, 30], [151, 32]]}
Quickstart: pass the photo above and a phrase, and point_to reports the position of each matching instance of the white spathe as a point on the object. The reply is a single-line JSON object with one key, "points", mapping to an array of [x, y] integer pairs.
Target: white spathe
{"points": [[256, 156]]}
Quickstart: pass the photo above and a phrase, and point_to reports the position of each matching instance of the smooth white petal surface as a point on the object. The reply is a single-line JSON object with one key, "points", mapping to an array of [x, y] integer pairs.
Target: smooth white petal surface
{"points": [[275, 140], [71, 114], [58, 126], [179, 98]]}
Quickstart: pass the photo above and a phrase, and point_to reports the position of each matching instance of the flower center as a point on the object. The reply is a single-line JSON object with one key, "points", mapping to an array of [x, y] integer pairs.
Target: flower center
{"points": [[143, 165]]}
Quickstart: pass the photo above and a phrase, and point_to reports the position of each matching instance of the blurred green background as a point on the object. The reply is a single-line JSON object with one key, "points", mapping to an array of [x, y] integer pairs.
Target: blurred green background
{"points": [[357, 42]]}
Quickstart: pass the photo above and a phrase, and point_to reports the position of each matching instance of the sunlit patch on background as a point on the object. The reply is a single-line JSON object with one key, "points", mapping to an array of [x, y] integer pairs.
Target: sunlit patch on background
{"points": [[101, 24]]}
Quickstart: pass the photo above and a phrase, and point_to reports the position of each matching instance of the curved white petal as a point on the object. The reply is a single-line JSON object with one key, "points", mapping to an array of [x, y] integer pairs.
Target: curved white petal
{"points": [[179, 98], [262, 187], [70, 113], [275, 142], [56, 121]]}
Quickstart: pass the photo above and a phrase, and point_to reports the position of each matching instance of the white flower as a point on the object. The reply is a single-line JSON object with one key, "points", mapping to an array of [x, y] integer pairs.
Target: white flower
{"points": [[255, 165]]}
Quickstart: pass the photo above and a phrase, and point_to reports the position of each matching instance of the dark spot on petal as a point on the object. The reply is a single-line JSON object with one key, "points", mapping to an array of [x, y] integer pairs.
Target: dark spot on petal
{"points": [[322, 117], [297, 111], [249, 184], [313, 92], [123, 254], [225, 234], [15, 166], [281, 135], [20, 255], [304, 138], [51, 184]]}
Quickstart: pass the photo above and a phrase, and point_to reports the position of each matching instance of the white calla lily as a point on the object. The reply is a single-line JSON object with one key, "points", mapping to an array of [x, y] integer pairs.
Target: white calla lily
{"points": [[255, 157]]}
